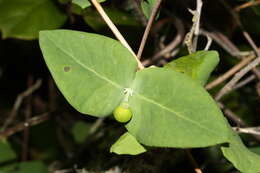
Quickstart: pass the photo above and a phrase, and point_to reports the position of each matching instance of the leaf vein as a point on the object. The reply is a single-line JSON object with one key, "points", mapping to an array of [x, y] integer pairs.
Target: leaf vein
{"points": [[174, 112], [86, 67]]}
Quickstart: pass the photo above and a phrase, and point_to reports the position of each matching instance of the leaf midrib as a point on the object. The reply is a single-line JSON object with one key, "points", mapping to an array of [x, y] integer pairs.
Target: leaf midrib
{"points": [[86, 67], [174, 112]]}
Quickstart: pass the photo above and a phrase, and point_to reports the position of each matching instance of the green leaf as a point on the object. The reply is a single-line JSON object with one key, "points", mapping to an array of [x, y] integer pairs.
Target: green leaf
{"points": [[171, 110], [147, 7], [90, 70], [25, 18], [75, 9], [84, 3], [119, 18], [9, 168], [80, 131], [6, 152], [198, 65], [242, 158], [127, 144], [26, 167]]}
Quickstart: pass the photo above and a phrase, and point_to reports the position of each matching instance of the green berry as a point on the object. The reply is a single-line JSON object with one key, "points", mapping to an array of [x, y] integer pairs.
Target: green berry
{"points": [[122, 113]]}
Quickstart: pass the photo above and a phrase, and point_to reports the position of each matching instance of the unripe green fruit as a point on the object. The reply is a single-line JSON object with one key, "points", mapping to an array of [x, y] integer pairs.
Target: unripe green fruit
{"points": [[122, 114]]}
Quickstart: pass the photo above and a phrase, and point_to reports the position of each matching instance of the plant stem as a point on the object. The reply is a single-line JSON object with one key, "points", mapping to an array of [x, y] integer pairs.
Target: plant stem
{"points": [[230, 72], [115, 30], [148, 28]]}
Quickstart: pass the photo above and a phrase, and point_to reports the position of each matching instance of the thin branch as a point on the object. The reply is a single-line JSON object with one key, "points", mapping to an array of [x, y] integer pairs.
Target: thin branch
{"points": [[173, 44], [244, 82], [28, 112], [148, 27], [251, 42], [245, 34], [209, 42], [193, 162], [228, 87], [115, 30], [176, 41], [224, 42], [248, 130], [19, 101], [230, 72], [197, 26], [235, 118], [247, 4], [194, 31], [21, 126], [231, 115], [95, 126]]}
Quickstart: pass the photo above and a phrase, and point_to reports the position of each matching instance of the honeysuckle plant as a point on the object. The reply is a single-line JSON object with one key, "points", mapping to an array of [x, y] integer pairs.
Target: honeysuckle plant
{"points": [[159, 106]]}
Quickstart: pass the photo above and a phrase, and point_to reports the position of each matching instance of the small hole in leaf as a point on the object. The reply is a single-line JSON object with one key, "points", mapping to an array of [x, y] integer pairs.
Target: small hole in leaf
{"points": [[67, 69]]}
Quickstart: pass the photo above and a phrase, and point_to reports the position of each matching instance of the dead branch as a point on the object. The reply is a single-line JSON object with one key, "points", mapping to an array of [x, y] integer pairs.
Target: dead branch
{"points": [[19, 101], [148, 28]]}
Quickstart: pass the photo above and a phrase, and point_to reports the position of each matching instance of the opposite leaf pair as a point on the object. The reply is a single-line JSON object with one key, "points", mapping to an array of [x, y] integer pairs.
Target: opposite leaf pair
{"points": [[170, 109]]}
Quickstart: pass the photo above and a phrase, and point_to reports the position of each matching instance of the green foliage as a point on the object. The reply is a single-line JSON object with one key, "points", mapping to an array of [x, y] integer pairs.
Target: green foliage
{"points": [[147, 6], [84, 3], [176, 101], [25, 167], [127, 144], [198, 65], [76, 9], [6, 152], [242, 158], [24, 19], [170, 106], [171, 110], [94, 85], [80, 131]]}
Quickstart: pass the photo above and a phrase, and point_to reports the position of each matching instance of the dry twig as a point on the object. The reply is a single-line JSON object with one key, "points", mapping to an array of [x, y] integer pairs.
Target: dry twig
{"points": [[244, 82], [235, 118], [148, 28], [246, 5], [230, 72], [193, 162], [209, 42], [173, 44], [231, 115], [191, 37], [229, 86], [224, 42], [248, 130], [28, 112], [21, 126], [19, 101], [115, 30]]}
